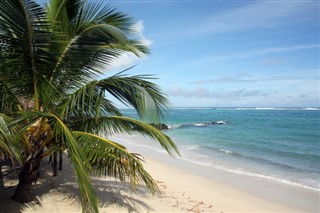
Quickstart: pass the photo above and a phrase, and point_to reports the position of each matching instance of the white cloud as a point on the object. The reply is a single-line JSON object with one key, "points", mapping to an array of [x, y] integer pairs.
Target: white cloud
{"points": [[263, 14], [126, 60], [220, 94], [254, 53], [272, 61], [250, 54], [139, 28], [258, 15], [306, 76], [241, 97]]}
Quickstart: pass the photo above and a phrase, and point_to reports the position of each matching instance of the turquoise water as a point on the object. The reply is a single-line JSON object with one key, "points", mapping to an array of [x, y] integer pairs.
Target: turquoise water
{"points": [[278, 145]]}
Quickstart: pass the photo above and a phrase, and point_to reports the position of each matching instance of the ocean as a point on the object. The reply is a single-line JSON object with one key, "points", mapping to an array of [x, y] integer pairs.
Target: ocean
{"points": [[281, 145]]}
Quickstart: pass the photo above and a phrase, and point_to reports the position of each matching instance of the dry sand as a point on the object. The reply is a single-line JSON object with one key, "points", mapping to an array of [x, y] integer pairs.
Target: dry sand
{"points": [[181, 191]]}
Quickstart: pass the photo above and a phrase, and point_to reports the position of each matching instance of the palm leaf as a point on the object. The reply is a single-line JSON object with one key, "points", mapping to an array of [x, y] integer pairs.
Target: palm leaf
{"points": [[9, 102], [23, 30], [89, 100], [112, 159], [80, 165], [9, 142], [137, 92], [4, 135], [109, 125], [94, 37]]}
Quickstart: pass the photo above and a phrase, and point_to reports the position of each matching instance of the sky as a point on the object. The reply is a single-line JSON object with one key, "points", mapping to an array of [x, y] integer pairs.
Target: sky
{"points": [[229, 53]]}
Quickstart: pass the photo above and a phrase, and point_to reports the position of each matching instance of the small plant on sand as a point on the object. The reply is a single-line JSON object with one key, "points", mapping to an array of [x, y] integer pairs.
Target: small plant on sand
{"points": [[50, 99]]}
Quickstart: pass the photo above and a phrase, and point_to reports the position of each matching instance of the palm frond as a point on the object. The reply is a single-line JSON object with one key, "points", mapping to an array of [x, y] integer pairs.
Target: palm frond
{"points": [[9, 142], [24, 37], [95, 35], [49, 95], [109, 125], [80, 164], [9, 102], [137, 92], [109, 158], [89, 100], [4, 134]]}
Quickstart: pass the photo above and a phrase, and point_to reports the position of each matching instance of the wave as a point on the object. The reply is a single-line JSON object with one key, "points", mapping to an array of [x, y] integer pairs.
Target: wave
{"points": [[204, 160], [311, 108], [225, 151], [177, 126], [265, 108], [309, 184], [200, 124], [192, 108], [253, 158], [241, 171], [269, 177], [191, 147], [272, 108]]}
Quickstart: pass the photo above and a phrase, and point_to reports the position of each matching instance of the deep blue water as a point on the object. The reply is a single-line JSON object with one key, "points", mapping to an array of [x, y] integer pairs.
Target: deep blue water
{"points": [[279, 145]]}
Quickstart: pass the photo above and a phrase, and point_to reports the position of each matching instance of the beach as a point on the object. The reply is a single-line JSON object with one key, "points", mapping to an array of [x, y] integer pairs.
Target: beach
{"points": [[220, 190], [185, 187]]}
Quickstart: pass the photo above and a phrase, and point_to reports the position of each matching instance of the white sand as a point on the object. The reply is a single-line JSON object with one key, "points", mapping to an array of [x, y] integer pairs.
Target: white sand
{"points": [[184, 188]]}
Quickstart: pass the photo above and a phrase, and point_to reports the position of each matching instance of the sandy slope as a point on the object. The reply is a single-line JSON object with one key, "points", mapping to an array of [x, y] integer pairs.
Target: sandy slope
{"points": [[180, 192], [185, 187]]}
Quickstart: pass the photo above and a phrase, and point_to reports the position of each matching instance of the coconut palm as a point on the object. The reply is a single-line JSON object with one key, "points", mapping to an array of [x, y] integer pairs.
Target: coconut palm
{"points": [[50, 62]]}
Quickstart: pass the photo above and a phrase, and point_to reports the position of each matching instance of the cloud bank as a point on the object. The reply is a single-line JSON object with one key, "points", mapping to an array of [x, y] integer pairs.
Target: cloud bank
{"points": [[248, 78], [220, 94]]}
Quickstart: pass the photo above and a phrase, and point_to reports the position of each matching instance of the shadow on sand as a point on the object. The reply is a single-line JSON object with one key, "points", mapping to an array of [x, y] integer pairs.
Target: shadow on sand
{"points": [[63, 190]]}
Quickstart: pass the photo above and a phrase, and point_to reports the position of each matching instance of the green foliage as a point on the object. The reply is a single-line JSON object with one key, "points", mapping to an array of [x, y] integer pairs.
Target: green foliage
{"points": [[49, 61], [9, 145]]}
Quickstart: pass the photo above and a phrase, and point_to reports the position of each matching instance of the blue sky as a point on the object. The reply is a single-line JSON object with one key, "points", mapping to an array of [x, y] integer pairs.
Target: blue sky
{"points": [[229, 53]]}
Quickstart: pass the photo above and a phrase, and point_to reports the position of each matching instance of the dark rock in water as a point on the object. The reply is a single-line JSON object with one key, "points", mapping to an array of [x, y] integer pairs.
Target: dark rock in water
{"points": [[160, 126], [215, 122], [210, 123]]}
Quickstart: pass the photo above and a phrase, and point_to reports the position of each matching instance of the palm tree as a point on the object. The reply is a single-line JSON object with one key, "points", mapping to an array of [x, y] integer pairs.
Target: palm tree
{"points": [[49, 62]]}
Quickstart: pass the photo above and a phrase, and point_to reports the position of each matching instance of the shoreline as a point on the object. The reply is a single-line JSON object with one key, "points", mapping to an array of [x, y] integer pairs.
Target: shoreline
{"points": [[204, 165], [185, 187], [233, 193], [296, 198]]}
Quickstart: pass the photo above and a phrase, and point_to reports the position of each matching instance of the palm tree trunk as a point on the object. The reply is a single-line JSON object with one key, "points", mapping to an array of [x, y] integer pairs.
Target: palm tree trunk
{"points": [[1, 175], [55, 164], [60, 160], [28, 175]]}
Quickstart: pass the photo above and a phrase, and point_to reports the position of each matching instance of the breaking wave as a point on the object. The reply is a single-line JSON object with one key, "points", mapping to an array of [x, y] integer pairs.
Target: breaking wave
{"points": [[203, 124]]}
